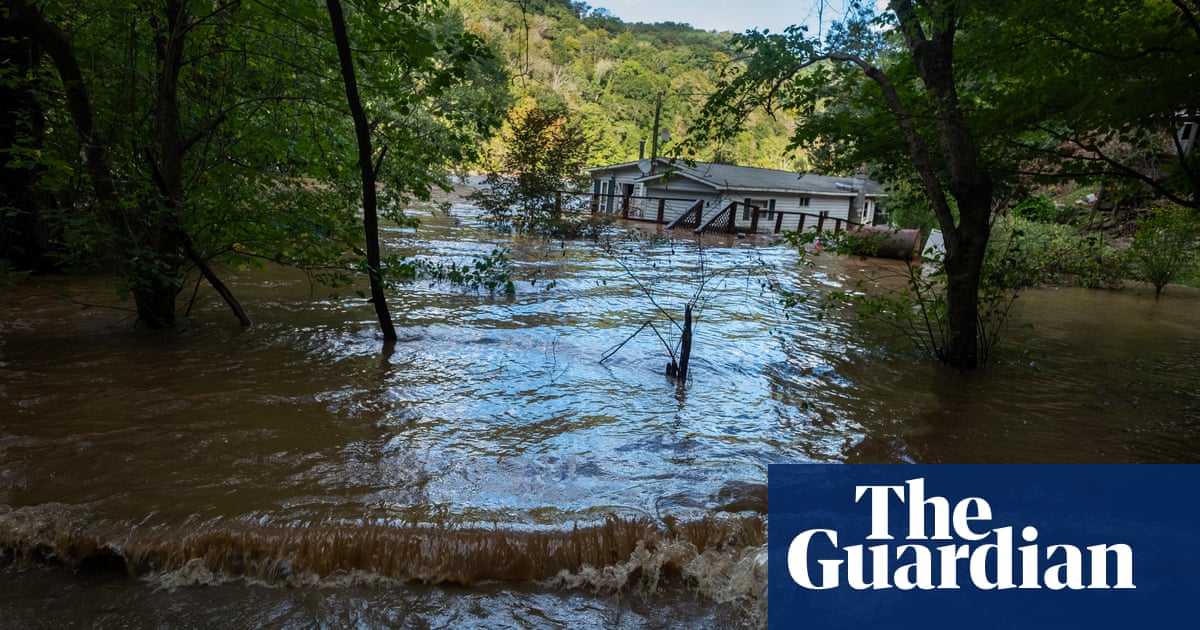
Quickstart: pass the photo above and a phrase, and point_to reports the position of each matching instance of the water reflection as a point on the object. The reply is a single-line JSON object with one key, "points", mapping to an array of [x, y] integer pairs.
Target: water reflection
{"points": [[497, 413]]}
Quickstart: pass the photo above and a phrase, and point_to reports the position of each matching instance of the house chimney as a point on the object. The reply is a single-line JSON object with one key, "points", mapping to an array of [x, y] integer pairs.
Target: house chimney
{"points": [[858, 211]]}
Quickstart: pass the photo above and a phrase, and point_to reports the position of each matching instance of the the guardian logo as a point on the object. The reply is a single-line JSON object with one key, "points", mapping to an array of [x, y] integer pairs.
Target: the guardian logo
{"points": [[948, 545], [985, 547]]}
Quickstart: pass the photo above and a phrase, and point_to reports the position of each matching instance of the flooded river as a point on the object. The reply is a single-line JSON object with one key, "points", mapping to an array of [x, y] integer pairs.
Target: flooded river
{"points": [[492, 471]]}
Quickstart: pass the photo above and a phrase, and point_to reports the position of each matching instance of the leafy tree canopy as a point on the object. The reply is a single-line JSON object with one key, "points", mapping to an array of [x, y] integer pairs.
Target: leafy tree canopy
{"points": [[568, 55], [545, 152], [181, 133], [972, 101]]}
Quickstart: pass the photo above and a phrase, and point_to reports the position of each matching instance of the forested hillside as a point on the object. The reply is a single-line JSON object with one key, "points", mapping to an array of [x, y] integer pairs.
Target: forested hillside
{"points": [[563, 53]]}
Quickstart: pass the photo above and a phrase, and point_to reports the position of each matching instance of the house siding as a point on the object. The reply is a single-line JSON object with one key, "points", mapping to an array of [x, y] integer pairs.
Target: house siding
{"points": [[679, 186], [681, 191]]}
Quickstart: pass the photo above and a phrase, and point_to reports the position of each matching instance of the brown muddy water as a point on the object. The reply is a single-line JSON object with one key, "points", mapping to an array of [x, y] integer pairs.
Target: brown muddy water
{"points": [[492, 471]]}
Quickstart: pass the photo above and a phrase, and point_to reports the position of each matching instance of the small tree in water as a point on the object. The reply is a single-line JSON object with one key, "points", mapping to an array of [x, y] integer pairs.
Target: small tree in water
{"points": [[1165, 246], [912, 301], [544, 154]]}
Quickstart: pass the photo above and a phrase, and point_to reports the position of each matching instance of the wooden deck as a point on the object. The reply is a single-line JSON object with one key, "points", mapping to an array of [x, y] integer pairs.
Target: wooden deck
{"points": [[679, 213]]}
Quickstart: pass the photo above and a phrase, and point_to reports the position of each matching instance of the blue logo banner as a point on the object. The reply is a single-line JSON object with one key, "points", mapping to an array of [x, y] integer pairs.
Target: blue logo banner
{"points": [[983, 546]]}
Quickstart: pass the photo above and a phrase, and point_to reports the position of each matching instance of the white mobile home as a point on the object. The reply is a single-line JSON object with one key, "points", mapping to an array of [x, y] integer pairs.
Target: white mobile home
{"points": [[663, 190]]}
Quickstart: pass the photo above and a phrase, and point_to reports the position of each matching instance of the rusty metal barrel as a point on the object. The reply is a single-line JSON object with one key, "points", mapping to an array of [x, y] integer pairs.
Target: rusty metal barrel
{"points": [[887, 242]]}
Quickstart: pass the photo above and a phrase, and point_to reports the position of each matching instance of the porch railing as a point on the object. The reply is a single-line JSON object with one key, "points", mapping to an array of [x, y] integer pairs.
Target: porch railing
{"points": [[687, 213]]}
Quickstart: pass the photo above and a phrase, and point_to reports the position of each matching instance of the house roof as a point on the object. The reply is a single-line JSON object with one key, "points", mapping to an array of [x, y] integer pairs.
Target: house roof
{"points": [[730, 178]]}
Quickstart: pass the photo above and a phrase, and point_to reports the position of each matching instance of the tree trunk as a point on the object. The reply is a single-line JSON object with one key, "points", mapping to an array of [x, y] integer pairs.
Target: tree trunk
{"points": [[25, 240], [685, 345], [367, 167], [95, 149], [932, 48], [156, 305], [963, 264], [153, 288], [194, 256]]}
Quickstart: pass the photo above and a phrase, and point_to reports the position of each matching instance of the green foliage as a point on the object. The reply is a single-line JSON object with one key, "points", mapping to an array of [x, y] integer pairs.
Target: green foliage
{"points": [[1037, 208], [532, 189], [1191, 278], [9, 275], [1021, 253], [251, 159], [610, 72], [1046, 91], [888, 89], [1051, 254], [979, 98], [492, 273], [911, 301], [907, 206], [1165, 247], [1102, 107]]}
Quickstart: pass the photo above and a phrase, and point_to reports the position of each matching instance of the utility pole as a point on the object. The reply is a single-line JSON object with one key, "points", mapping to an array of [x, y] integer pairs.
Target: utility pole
{"points": [[654, 136]]}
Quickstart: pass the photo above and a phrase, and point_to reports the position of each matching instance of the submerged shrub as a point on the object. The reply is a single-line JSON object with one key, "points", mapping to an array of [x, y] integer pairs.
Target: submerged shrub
{"points": [[1051, 254], [492, 273], [532, 191], [916, 306], [1037, 208], [1164, 247]]}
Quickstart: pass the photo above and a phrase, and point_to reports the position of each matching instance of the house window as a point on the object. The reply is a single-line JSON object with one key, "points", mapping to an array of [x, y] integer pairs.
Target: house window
{"points": [[766, 209], [607, 192], [804, 202], [1187, 137]]}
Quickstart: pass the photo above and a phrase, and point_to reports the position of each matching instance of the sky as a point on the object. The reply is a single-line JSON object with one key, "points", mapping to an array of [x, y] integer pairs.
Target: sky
{"points": [[724, 15]]}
